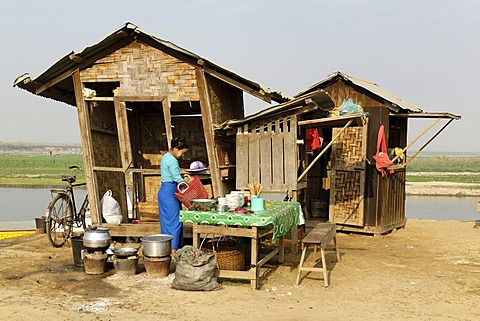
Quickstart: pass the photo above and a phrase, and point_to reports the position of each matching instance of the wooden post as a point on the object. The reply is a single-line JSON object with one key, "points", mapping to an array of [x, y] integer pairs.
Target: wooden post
{"points": [[86, 137], [206, 109], [123, 133], [168, 120]]}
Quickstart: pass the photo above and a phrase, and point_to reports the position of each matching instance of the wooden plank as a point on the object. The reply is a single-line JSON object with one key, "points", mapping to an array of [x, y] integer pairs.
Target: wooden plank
{"points": [[123, 133], [278, 172], [207, 121], [100, 99], [267, 257], [241, 165], [290, 152], [168, 120], [108, 169], [135, 230], [266, 156], [225, 230], [253, 157], [86, 137]]}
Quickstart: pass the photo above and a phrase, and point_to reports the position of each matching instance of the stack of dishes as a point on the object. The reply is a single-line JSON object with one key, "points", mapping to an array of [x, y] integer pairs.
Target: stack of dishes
{"points": [[234, 200]]}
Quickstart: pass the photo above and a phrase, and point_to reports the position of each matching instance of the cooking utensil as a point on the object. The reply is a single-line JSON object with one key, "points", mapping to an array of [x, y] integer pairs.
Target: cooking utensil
{"points": [[125, 251], [157, 245], [97, 238], [202, 204]]}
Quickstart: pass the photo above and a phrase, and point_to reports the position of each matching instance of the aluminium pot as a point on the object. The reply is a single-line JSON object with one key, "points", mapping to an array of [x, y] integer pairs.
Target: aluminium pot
{"points": [[157, 245], [97, 239]]}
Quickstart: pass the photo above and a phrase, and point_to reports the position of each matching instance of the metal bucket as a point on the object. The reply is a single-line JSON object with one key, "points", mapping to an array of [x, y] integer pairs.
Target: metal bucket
{"points": [[40, 224]]}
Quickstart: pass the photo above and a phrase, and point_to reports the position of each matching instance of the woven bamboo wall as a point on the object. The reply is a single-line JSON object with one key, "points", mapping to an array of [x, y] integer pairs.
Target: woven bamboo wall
{"points": [[226, 100], [349, 150], [145, 71], [346, 197]]}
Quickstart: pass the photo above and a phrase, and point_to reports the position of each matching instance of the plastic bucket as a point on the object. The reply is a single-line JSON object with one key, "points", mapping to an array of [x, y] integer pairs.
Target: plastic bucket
{"points": [[77, 247], [40, 224]]}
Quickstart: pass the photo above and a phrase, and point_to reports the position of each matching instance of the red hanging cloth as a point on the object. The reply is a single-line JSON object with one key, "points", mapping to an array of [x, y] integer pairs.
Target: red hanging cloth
{"points": [[381, 158]]}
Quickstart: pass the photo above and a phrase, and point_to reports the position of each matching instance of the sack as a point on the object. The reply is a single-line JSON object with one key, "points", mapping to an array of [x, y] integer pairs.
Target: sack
{"points": [[110, 209], [349, 107], [191, 190], [195, 270], [381, 158]]}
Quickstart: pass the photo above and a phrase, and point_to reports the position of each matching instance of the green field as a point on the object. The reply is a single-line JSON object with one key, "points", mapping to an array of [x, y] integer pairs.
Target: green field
{"points": [[38, 170], [45, 170], [445, 169]]}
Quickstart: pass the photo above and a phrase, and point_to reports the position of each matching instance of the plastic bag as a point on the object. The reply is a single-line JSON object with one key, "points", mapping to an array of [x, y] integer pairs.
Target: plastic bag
{"points": [[195, 270], [349, 107], [110, 209]]}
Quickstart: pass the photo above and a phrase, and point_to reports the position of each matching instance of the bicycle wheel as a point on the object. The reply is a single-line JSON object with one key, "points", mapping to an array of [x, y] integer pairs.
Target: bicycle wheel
{"points": [[80, 220], [59, 222]]}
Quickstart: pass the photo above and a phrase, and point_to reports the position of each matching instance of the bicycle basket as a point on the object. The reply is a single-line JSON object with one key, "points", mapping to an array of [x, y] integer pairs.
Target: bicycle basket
{"points": [[191, 190]]}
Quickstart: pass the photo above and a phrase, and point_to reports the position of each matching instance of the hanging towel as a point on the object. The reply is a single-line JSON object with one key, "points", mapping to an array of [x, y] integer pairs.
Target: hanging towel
{"points": [[313, 139], [381, 157]]}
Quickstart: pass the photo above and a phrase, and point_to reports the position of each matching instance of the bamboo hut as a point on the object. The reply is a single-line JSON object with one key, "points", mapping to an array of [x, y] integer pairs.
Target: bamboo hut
{"points": [[339, 181], [134, 92]]}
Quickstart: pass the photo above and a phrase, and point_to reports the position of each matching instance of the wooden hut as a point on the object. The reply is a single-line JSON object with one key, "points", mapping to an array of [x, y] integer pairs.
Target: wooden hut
{"points": [[134, 92], [339, 181]]}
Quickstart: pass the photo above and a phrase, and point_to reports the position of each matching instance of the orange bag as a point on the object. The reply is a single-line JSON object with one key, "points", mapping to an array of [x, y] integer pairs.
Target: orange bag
{"points": [[191, 190], [381, 158]]}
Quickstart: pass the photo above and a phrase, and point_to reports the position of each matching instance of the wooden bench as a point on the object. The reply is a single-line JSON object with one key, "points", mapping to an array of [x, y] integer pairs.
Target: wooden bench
{"points": [[320, 236]]}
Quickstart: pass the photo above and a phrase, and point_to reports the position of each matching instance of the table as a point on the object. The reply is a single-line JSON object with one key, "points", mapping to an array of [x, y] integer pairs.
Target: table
{"points": [[278, 217]]}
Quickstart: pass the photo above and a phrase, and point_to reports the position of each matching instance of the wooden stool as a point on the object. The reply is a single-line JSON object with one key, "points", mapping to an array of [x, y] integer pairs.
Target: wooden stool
{"points": [[321, 235]]}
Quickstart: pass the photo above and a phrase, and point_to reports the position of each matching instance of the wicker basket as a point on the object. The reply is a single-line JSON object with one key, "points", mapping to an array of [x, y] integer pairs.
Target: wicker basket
{"points": [[230, 256]]}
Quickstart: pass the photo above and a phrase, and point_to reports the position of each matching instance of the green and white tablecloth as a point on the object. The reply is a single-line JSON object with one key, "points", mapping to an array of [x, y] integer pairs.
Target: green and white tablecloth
{"points": [[282, 215]]}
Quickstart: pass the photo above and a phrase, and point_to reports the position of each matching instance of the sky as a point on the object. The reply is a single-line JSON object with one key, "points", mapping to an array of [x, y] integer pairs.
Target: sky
{"points": [[427, 52]]}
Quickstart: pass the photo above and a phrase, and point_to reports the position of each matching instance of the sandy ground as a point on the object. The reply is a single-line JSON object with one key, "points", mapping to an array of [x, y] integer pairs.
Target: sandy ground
{"points": [[428, 271]]}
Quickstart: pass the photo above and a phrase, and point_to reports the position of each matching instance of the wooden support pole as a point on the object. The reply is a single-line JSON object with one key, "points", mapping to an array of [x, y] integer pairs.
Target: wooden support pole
{"points": [[416, 138], [86, 136], [207, 120], [428, 142]]}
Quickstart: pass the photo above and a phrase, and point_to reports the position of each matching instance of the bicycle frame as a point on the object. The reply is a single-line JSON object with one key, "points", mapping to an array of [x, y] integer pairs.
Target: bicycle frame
{"points": [[68, 191]]}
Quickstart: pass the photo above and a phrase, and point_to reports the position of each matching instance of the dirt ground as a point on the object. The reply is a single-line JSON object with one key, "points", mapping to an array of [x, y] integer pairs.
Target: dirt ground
{"points": [[428, 271]]}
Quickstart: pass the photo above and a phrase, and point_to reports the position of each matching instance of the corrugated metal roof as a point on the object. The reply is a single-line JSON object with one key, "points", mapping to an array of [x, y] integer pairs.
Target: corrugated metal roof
{"points": [[318, 97], [63, 90], [368, 85]]}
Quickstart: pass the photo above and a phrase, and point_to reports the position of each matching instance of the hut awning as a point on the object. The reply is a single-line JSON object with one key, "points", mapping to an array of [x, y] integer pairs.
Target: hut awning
{"points": [[55, 82], [319, 99]]}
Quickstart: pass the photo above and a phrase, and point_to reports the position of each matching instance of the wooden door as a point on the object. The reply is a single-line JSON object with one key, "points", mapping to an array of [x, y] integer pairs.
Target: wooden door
{"points": [[347, 188]]}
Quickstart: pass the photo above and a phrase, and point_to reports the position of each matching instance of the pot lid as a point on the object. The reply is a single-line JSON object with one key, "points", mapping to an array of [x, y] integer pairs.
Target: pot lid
{"points": [[157, 238]]}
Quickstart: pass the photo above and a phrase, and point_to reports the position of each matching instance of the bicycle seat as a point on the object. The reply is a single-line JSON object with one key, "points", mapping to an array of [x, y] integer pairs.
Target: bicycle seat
{"points": [[69, 178]]}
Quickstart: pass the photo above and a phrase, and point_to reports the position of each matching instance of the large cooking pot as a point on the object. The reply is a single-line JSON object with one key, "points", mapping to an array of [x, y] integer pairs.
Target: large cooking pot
{"points": [[97, 238], [157, 245]]}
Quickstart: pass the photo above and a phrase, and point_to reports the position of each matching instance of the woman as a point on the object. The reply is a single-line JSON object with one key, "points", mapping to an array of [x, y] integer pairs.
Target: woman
{"points": [[168, 206]]}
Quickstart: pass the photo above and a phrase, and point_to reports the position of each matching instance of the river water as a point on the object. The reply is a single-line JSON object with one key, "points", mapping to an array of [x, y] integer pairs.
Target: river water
{"points": [[20, 206]]}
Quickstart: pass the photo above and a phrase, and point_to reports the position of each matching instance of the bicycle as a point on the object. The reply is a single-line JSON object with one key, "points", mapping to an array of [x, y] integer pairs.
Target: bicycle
{"points": [[61, 214]]}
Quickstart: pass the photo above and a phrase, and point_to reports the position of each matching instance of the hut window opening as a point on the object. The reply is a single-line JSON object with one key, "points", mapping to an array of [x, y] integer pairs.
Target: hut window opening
{"points": [[102, 89], [186, 121]]}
